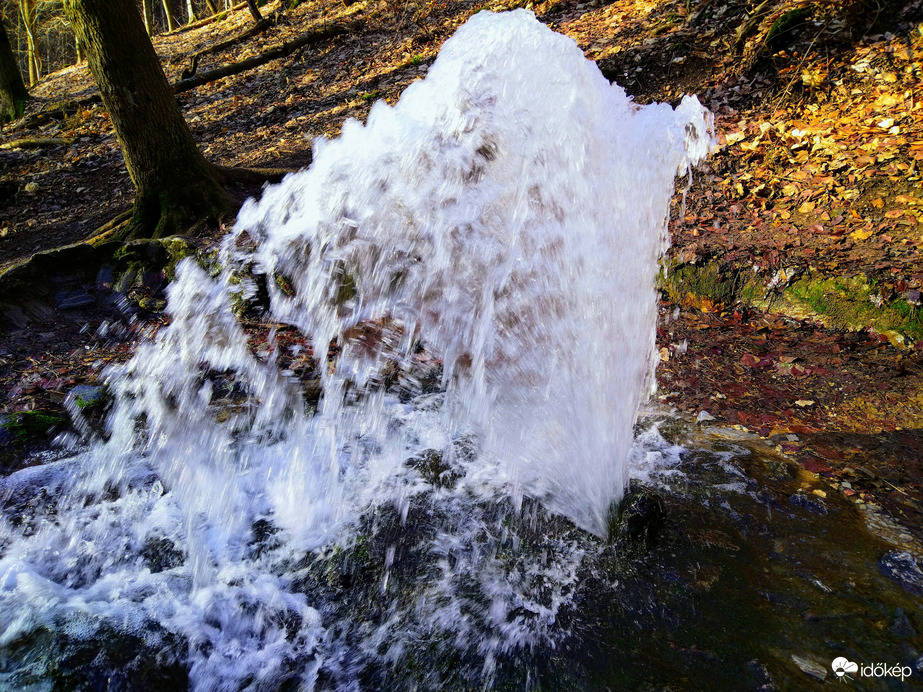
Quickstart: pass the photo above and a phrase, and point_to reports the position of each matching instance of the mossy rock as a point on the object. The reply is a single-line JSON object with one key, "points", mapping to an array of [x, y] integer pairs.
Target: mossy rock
{"points": [[639, 519], [26, 427], [854, 303], [434, 469], [108, 660], [689, 283], [25, 430], [161, 554], [87, 397], [840, 302], [32, 277]]}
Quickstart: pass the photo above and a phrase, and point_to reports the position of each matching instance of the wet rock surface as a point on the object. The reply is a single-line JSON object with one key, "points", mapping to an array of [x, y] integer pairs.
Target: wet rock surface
{"points": [[903, 568]]}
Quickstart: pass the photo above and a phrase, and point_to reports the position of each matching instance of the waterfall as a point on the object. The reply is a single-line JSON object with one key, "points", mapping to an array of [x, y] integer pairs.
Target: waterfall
{"points": [[474, 270]]}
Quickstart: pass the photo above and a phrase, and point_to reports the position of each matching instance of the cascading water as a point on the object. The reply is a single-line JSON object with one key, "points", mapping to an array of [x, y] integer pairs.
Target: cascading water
{"points": [[498, 229]]}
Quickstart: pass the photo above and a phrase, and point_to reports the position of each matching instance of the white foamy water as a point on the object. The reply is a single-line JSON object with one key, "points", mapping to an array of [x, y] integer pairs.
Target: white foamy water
{"points": [[506, 216]]}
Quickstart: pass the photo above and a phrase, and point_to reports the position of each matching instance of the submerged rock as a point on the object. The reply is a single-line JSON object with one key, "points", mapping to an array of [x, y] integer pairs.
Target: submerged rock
{"points": [[639, 517], [903, 568]]}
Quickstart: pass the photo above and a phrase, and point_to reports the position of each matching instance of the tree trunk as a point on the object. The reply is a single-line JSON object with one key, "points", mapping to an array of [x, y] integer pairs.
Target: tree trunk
{"points": [[13, 94], [79, 48], [147, 11], [254, 10], [171, 19], [176, 188], [34, 61], [212, 7], [190, 11]]}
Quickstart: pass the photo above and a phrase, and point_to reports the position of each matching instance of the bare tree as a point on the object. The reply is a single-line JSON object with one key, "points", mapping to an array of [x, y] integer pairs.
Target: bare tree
{"points": [[254, 10], [147, 12], [176, 188], [13, 92], [171, 18], [27, 13]]}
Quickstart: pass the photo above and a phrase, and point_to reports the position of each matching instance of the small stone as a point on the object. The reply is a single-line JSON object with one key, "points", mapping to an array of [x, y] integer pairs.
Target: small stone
{"points": [[31, 187], [810, 668], [70, 300], [812, 504], [87, 396], [703, 417]]}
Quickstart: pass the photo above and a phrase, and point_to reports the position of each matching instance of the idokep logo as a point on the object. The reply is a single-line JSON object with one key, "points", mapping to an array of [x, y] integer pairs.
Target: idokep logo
{"points": [[844, 668]]}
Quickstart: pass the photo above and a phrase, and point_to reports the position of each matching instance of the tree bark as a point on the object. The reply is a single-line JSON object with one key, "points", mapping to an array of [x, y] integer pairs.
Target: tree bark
{"points": [[33, 59], [254, 10], [13, 92], [147, 11], [176, 188], [171, 19]]}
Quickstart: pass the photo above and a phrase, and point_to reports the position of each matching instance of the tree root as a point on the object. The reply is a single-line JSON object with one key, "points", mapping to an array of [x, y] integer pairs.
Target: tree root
{"points": [[119, 227], [110, 228], [249, 176]]}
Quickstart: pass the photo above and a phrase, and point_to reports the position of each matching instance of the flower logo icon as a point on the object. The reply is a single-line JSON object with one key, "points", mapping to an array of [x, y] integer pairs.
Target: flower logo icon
{"points": [[842, 666]]}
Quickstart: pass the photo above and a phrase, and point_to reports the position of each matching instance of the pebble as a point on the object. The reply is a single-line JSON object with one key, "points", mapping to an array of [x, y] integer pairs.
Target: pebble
{"points": [[810, 668]]}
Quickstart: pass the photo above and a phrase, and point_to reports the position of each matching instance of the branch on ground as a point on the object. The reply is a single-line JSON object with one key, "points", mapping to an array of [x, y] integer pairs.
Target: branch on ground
{"points": [[35, 143], [254, 30], [208, 20], [249, 176], [280, 51]]}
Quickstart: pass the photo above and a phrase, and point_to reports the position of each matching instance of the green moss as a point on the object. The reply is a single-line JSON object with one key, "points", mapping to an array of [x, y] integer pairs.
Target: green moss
{"points": [[841, 302], [711, 281], [851, 303], [177, 248], [284, 284], [26, 426], [347, 289], [785, 23]]}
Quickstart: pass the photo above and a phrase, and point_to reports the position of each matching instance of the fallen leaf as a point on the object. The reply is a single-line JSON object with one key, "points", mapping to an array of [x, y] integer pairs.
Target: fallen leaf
{"points": [[734, 137]]}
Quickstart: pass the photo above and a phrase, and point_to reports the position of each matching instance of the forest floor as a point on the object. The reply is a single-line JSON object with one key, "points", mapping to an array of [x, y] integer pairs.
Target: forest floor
{"points": [[791, 296]]}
